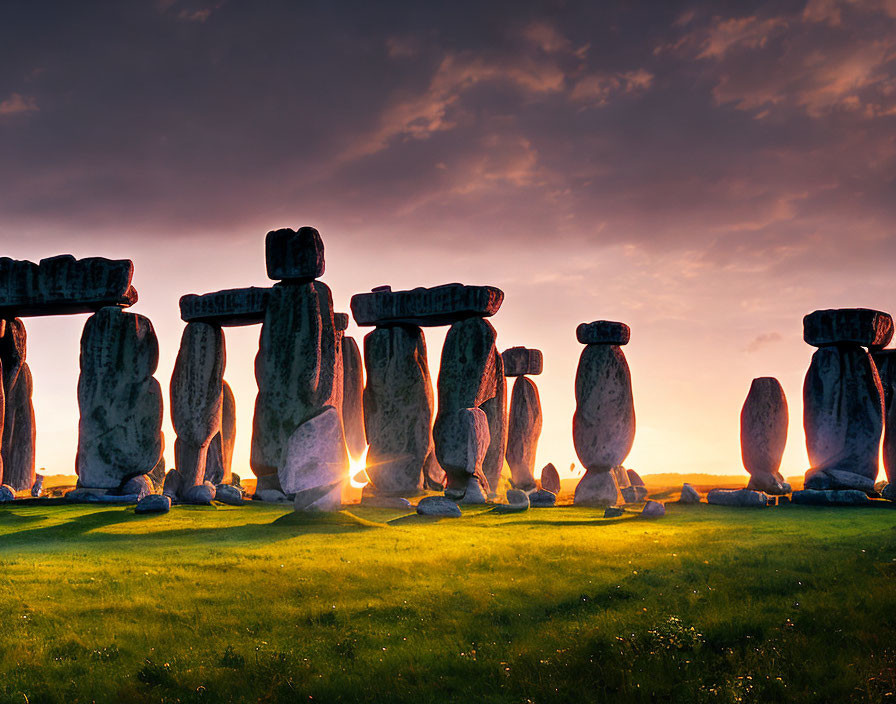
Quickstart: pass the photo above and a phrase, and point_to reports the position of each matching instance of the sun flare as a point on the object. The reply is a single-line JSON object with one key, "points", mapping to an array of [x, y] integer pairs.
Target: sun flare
{"points": [[357, 471]]}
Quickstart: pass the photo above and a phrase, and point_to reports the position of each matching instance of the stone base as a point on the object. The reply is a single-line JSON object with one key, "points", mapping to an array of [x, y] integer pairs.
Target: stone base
{"points": [[90, 495], [273, 496], [325, 498], [843, 497], [889, 492], [474, 495], [769, 484], [395, 502], [542, 499], [438, 506], [745, 498], [834, 479], [596, 488], [653, 509]]}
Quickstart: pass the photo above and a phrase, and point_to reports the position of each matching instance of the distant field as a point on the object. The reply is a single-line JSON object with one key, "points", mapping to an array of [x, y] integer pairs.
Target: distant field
{"points": [[227, 604]]}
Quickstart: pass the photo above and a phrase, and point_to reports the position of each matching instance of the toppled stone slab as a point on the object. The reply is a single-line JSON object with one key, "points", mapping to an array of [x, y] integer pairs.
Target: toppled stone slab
{"points": [[653, 509], [519, 361], [746, 498], [154, 503], [273, 496], [860, 326], [842, 497], [542, 499], [603, 332], [294, 254], [689, 495], [64, 285], [438, 506], [426, 307], [516, 496], [231, 307]]}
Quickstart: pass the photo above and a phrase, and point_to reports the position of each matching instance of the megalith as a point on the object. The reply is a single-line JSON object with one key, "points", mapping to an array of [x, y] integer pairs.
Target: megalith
{"points": [[763, 435], [885, 360], [353, 397], [119, 432], [18, 430], [525, 419], [315, 465], [219, 463]]}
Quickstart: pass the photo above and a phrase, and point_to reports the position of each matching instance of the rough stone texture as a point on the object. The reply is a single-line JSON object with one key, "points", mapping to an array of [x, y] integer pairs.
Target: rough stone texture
{"points": [[542, 499], [274, 496], [843, 497], [438, 506], [172, 485], [858, 326], [196, 396], [434, 477], [603, 426], [746, 498], [295, 369], [38, 487], [426, 307], [398, 406], [596, 488], [889, 492], [231, 307], [495, 410], [519, 361], [467, 379], [201, 494], [219, 462], [550, 478], [228, 494], [517, 496], [843, 418], [154, 503], [885, 360], [64, 285], [466, 439], [603, 332], [653, 509], [763, 435], [17, 440], [294, 254], [524, 429], [316, 459], [341, 321], [120, 429], [474, 493], [7, 493], [613, 512], [689, 495], [621, 477], [633, 494], [634, 478], [353, 398], [139, 486]]}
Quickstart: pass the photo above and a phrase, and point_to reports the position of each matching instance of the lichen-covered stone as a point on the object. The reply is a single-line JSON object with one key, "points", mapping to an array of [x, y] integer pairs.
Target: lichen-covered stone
{"points": [[353, 398], [603, 332], [763, 435], [294, 254], [231, 307], [519, 361], [426, 307], [524, 429], [857, 326]]}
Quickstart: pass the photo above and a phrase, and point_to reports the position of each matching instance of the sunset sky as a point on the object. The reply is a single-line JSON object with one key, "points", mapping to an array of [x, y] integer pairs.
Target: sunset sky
{"points": [[705, 172]]}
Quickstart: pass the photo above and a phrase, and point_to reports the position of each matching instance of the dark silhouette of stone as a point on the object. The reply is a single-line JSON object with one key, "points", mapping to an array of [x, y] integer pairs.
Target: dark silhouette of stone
{"points": [[316, 463], [294, 254], [120, 433], [196, 399], [653, 509], [519, 361], [434, 477], [885, 360], [426, 307], [219, 462], [353, 398], [17, 442], [613, 512], [689, 495], [542, 499], [38, 487], [398, 406], [857, 326], [495, 410], [763, 435], [229, 494], [64, 285], [340, 321], [603, 332], [889, 492], [154, 503], [745, 498], [843, 418], [200, 494], [842, 497], [231, 307], [524, 429], [438, 506], [295, 369], [550, 479]]}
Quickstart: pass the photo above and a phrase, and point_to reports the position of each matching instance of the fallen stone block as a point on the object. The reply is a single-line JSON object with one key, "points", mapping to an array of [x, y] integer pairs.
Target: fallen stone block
{"points": [[746, 498]]}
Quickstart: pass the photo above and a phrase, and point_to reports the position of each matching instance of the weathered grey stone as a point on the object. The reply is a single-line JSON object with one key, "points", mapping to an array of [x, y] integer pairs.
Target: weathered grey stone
{"points": [[64, 285], [746, 498], [396, 502], [153, 503], [517, 496], [157, 473], [474, 493], [219, 461], [120, 429], [634, 478], [843, 418], [138, 486], [353, 398], [316, 458], [653, 509], [603, 332], [633, 494], [273, 496], [38, 487], [201, 494], [231, 307], [466, 380], [173, 484], [603, 426], [889, 492], [621, 477], [495, 410], [689, 495], [466, 439], [341, 321], [294, 254], [843, 497], [596, 488], [550, 478], [438, 506], [542, 499], [17, 437], [519, 361], [524, 429], [7, 493], [228, 494], [434, 477], [763, 435], [885, 361], [858, 326], [398, 405], [426, 307], [295, 369], [196, 396], [613, 512]]}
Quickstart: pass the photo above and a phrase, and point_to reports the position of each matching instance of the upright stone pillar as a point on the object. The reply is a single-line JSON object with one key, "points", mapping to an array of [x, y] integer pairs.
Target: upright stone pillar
{"points": [[603, 427], [495, 410], [18, 436], [219, 464], [885, 360], [763, 435], [843, 399], [120, 430], [525, 415], [353, 398]]}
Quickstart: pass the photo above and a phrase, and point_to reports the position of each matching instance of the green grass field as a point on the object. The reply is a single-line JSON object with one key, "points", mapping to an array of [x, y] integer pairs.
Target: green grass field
{"points": [[224, 604]]}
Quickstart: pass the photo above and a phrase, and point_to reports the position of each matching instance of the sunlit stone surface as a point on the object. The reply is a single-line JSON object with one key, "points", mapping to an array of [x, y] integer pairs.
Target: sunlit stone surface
{"points": [[525, 423], [763, 435]]}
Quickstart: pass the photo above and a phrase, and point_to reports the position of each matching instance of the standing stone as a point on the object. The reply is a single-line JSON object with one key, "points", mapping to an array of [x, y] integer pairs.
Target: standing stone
{"points": [[523, 433], [398, 405], [219, 463], [604, 422], [467, 379], [316, 464], [763, 435], [294, 255], [885, 360], [120, 429], [196, 398], [467, 440], [843, 418], [295, 369], [550, 478], [353, 398], [495, 410], [18, 429]]}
